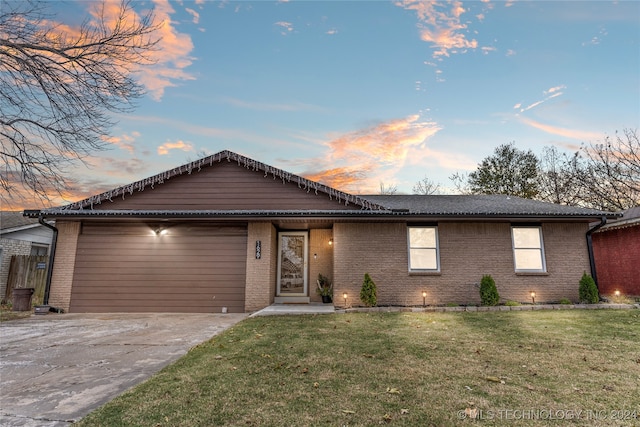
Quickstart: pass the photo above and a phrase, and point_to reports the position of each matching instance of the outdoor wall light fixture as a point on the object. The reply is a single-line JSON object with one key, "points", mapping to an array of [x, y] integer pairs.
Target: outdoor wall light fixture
{"points": [[533, 297], [331, 242], [617, 293], [159, 231], [315, 256], [424, 299], [345, 299]]}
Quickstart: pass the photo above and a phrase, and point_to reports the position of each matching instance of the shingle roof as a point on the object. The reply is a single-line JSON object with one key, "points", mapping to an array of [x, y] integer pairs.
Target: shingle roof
{"points": [[480, 205], [453, 206], [11, 219], [430, 206], [630, 218]]}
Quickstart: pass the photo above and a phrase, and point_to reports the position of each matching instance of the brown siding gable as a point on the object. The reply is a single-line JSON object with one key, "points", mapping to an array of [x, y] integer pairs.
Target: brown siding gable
{"points": [[338, 199]]}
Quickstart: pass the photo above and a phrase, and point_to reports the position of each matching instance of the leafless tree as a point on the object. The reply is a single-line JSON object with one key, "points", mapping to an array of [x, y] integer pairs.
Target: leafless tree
{"points": [[558, 180], [460, 181], [59, 87], [426, 187], [388, 189], [609, 172]]}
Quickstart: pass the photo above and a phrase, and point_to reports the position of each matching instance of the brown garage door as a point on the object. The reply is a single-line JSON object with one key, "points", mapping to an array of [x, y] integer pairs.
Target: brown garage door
{"points": [[188, 269]]}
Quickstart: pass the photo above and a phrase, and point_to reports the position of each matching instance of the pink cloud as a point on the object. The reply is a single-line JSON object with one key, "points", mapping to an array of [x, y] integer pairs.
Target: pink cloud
{"points": [[567, 133], [441, 25], [171, 55], [178, 145], [124, 141], [357, 161]]}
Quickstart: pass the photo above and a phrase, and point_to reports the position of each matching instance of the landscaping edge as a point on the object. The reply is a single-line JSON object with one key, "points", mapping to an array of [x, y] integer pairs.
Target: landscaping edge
{"points": [[431, 309]]}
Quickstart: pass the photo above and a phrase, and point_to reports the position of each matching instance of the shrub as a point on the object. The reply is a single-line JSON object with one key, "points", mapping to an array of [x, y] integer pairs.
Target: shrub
{"points": [[512, 303], [488, 291], [565, 301], [368, 294], [588, 290]]}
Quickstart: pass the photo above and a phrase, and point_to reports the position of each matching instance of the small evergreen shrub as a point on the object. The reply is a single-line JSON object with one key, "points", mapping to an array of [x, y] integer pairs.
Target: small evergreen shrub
{"points": [[488, 291], [368, 294], [512, 303], [588, 290], [565, 301]]}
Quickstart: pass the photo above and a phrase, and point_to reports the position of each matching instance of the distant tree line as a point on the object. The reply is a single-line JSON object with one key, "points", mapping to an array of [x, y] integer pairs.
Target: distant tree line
{"points": [[602, 175]]}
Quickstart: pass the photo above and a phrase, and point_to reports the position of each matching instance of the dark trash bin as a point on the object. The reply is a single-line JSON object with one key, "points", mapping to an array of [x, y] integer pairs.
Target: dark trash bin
{"points": [[22, 299]]}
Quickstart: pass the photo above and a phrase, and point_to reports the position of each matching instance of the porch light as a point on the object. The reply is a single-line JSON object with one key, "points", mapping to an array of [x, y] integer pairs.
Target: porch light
{"points": [[617, 293], [533, 297], [331, 241], [160, 231], [424, 298]]}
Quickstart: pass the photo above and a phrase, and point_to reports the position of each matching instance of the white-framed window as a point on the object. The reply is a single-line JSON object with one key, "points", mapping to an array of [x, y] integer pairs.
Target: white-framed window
{"points": [[528, 249], [423, 248]]}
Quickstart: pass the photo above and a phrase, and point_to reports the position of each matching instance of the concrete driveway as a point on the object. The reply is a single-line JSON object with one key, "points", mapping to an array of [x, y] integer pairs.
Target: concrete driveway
{"points": [[56, 368]]}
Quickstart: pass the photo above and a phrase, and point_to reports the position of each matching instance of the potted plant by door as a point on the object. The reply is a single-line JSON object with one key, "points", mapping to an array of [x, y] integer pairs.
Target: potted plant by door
{"points": [[325, 289]]}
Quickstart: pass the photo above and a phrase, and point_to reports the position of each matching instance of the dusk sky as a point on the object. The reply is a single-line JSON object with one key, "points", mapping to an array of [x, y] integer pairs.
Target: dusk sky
{"points": [[354, 94]]}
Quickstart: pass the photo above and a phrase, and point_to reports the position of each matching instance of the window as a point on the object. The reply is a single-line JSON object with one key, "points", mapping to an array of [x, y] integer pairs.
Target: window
{"points": [[528, 249], [39, 250], [423, 249]]}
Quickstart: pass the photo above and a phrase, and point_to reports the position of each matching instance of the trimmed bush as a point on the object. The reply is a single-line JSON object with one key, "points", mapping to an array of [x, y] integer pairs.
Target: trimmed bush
{"points": [[588, 290], [368, 294], [488, 291]]}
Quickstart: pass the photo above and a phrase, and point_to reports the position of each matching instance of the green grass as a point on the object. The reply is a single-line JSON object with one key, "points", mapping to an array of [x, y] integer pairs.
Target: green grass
{"points": [[411, 369]]}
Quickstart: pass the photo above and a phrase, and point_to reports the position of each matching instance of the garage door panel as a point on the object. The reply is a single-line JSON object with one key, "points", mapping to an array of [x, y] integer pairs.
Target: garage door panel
{"points": [[140, 272]]}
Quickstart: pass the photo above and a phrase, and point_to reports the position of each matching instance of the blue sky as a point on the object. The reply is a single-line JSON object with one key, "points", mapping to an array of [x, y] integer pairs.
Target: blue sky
{"points": [[357, 93]]}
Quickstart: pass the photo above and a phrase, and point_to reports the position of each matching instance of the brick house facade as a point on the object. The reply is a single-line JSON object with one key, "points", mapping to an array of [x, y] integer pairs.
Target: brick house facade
{"points": [[616, 248], [229, 233]]}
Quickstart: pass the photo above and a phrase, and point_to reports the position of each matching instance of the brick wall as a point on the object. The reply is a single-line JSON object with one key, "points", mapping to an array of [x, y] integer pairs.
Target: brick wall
{"points": [[320, 259], [10, 247], [617, 256], [261, 273], [467, 252], [64, 264]]}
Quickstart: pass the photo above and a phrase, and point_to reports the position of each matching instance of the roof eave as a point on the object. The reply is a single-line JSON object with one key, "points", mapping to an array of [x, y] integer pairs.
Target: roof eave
{"points": [[315, 214]]}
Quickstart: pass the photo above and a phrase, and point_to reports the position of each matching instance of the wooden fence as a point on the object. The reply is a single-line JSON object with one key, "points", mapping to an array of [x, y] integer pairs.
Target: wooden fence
{"points": [[28, 271]]}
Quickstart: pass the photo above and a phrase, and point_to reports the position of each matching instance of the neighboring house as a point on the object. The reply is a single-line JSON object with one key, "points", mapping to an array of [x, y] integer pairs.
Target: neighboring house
{"points": [[616, 247], [230, 232], [20, 235]]}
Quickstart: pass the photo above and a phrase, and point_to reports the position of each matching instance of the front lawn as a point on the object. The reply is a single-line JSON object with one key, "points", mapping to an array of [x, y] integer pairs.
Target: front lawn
{"points": [[556, 367]]}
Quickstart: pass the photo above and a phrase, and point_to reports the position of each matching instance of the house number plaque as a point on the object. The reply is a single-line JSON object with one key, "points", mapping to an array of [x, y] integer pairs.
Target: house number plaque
{"points": [[258, 249]]}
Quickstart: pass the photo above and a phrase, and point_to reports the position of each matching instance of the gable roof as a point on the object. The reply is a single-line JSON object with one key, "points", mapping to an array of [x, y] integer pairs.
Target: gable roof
{"points": [[210, 161], [406, 206]]}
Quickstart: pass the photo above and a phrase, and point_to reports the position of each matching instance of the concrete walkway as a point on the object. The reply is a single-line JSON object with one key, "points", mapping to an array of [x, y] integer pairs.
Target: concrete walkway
{"points": [[56, 368], [284, 309]]}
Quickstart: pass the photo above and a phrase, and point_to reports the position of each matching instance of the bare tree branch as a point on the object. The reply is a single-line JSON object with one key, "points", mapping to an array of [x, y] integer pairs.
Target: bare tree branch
{"points": [[388, 189], [426, 187], [59, 86]]}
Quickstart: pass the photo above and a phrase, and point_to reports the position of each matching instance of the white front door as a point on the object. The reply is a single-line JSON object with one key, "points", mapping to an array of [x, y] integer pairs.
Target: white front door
{"points": [[292, 263]]}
